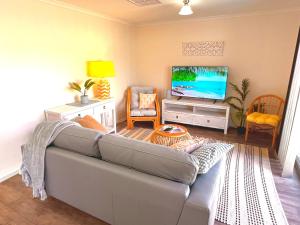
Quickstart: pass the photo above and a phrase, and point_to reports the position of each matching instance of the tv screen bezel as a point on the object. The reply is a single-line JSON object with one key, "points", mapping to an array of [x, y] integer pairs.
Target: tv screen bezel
{"points": [[186, 96]]}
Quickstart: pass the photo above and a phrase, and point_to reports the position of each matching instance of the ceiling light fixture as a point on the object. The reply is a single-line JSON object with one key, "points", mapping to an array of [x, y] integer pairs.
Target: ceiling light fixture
{"points": [[186, 9]]}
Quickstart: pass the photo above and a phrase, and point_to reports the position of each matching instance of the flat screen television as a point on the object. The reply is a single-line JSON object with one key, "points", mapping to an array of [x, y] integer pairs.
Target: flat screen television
{"points": [[200, 81]]}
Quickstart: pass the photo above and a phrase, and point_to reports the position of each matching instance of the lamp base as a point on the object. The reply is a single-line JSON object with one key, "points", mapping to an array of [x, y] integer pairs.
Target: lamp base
{"points": [[102, 89]]}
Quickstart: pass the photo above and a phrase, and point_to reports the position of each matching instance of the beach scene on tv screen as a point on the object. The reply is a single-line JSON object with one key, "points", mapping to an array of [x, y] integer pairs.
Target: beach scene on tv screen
{"points": [[199, 81]]}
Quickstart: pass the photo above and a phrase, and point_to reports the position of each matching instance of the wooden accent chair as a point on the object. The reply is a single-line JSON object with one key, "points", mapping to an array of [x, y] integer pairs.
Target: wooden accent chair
{"points": [[265, 113], [135, 114]]}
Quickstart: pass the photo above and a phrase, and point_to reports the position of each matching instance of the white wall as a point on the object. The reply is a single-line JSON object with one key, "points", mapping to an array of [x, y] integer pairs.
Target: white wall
{"points": [[289, 143], [43, 47], [259, 47]]}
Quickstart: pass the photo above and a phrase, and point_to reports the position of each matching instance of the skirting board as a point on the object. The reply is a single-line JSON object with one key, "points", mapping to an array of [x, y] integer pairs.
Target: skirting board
{"points": [[8, 174]]}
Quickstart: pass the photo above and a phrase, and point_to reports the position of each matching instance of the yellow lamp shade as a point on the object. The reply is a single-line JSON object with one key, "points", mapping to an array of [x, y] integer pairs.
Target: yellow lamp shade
{"points": [[100, 69]]}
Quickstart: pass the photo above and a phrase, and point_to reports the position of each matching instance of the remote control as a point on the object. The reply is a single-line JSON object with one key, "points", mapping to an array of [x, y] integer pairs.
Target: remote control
{"points": [[168, 129]]}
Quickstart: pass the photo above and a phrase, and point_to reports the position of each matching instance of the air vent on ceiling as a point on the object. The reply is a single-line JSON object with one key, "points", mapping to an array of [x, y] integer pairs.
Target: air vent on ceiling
{"points": [[145, 2]]}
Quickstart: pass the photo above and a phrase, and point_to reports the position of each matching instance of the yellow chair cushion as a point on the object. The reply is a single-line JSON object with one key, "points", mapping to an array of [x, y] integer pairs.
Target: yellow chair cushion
{"points": [[262, 118]]}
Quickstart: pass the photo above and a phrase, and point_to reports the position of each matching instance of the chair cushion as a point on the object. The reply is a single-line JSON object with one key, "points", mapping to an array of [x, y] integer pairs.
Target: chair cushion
{"points": [[262, 118], [143, 112], [147, 101], [149, 158], [135, 95]]}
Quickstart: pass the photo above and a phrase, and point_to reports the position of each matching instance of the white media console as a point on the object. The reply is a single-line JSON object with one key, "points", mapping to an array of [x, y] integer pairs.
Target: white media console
{"points": [[203, 113]]}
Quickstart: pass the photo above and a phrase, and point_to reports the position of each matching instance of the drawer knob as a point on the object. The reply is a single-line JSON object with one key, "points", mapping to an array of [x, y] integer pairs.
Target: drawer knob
{"points": [[104, 107], [176, 117], [79, 115], [208, 121]]}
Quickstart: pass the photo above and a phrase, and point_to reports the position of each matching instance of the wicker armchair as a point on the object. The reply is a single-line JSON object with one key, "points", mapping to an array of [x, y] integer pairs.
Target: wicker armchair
{"points": [[265, 113], [135, 114]]}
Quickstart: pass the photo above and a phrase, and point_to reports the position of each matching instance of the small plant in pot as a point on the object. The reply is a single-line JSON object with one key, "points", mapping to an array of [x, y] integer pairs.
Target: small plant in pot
{"points": [[83, 91], [238, 104]]}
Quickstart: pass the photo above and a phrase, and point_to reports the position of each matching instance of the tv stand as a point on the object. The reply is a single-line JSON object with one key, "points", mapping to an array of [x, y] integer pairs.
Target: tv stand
{"points": [[196, 112]]}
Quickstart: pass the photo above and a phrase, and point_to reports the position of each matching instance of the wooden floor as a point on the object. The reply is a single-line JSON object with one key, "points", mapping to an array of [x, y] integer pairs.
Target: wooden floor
{"points": [[18, 208]]}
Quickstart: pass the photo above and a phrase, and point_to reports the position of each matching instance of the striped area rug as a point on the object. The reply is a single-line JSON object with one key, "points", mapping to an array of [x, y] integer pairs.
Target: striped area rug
{"points": [[137, 133], [249, 195]]}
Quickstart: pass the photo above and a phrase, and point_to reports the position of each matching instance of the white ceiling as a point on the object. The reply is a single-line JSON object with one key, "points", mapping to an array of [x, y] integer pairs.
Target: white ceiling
{"points": [[168, 9]]}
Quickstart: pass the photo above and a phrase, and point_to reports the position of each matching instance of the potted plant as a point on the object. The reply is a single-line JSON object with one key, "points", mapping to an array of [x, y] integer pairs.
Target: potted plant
{"points": [[238, 103], [87, 85]]}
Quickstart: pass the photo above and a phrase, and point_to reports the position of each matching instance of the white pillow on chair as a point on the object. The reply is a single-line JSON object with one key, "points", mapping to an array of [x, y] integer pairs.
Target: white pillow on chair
{"points": [[147, 101]]}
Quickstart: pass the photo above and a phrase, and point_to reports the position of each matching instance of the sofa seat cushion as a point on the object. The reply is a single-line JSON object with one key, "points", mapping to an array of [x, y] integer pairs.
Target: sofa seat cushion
{"points": [[79, 139], [149, 158], [135, 92], [143, 112]]}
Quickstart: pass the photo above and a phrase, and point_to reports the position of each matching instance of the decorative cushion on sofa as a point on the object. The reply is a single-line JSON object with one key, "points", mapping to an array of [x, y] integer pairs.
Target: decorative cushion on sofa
{"points": [[89, 122], [135, 91], [143, 112], [209, 154], [80, 140], [190, 145], [147, 101], [146, 157]]}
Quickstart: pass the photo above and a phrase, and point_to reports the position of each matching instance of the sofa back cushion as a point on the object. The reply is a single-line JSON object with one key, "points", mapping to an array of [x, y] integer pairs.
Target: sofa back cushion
{"points": [[80, 140], [146, 157], [135, 92]]}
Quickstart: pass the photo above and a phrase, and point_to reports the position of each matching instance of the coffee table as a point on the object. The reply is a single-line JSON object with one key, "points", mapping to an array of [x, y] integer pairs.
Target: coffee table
{"points": [[163, 136]]}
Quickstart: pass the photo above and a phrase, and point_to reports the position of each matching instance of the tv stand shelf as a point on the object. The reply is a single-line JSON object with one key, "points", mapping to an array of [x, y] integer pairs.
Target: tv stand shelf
{"points": [[203, 113]]}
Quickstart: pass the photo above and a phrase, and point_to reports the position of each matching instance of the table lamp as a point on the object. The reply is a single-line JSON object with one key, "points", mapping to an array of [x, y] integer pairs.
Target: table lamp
{"points": [[102, 70]]}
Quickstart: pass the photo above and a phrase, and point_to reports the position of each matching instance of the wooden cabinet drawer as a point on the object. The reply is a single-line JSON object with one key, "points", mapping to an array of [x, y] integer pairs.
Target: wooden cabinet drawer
{"points": [[109, 106], [213, 122], [81, 113], [70, 116], [52, 116], [178, 117], [105, 107], [216, 122]]}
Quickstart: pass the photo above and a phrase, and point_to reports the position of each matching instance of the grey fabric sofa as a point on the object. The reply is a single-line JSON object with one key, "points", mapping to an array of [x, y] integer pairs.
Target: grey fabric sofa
{"points": [[127, 182]]}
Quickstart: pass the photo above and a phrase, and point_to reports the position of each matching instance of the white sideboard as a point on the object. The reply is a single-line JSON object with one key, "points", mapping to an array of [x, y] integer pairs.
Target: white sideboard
{"points": [[103, 111], [203, 113]]}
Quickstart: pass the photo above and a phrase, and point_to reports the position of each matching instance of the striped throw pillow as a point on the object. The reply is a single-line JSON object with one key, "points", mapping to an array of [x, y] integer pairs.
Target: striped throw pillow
{"points": [[209, 154]]}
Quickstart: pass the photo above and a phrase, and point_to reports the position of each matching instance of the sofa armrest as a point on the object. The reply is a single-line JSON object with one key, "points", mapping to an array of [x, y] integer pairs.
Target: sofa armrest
{"points": [[201, 206]]}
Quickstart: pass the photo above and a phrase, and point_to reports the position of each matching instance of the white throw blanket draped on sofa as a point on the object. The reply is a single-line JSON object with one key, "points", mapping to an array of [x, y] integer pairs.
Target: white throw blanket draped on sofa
{"points": [[33, 155]]}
